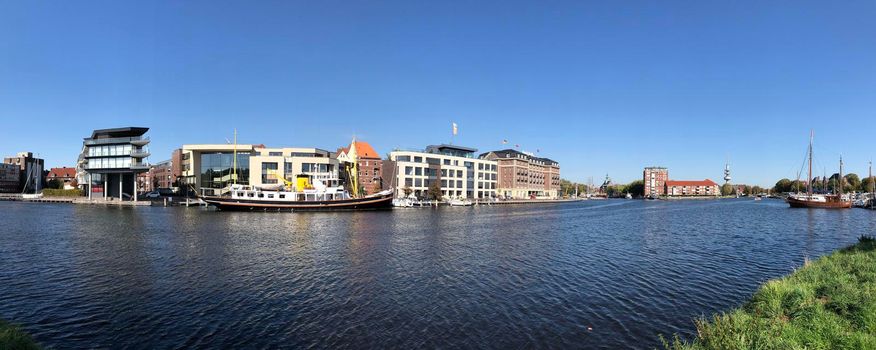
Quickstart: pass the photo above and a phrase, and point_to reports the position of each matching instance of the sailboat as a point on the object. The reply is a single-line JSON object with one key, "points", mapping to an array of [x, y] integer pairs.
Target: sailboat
{"points": [[34, 173], [811, 200]]}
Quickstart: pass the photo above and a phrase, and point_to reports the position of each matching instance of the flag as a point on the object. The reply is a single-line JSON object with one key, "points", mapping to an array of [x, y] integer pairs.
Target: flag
{"points": [[504, 141], [455, 129], [516, 146], [537, 150]]}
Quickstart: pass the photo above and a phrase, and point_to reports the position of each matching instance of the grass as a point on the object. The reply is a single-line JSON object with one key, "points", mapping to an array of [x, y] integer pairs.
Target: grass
{"points": [[13, 338], [52, 192], [826, 304]]}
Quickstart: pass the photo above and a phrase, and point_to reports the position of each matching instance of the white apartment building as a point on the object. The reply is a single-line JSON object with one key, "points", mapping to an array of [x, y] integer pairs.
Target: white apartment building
{"points": [[459, 173]]}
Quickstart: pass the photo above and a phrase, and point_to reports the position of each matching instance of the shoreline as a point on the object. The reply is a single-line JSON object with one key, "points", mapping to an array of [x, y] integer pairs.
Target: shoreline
{"points": [[826, 303]]}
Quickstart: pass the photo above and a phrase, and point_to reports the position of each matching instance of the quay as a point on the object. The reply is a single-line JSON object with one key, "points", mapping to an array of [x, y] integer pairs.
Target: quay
{"points": [[534, 201]]}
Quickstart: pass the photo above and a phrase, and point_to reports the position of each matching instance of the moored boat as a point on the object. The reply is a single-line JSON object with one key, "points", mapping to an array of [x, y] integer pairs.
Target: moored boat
{"points": [[248, 198], [813, 200]]}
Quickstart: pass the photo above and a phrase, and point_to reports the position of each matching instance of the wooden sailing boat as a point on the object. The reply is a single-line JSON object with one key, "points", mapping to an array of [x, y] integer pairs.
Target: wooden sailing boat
{"points": [[811, 200]]}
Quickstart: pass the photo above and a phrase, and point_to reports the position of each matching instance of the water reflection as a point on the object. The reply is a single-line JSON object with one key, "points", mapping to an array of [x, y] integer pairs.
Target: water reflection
{"points": [[488, 276]]}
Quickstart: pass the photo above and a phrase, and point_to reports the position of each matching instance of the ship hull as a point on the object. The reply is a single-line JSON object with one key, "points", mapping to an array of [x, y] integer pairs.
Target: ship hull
{"points": [[367, 203], [830, 204]]}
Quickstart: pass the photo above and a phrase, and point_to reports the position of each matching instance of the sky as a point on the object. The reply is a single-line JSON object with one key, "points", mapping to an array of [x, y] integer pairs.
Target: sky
{"points": [[603, 87]]}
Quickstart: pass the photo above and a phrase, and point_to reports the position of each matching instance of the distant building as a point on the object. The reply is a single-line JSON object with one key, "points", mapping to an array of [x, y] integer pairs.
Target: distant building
{"points": [[370, 166], [524, 176], [160, 175], [67, 176], [681, 188], [209, 168], [9, 178], [30, 172], [110, 161], [654, 179], [458, 173]]}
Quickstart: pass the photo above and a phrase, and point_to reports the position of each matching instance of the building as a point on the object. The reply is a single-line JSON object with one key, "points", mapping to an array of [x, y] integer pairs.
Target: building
{"points": [[267, 165], [160, 175], [208, 168], [682, 188], [456, 170], [654, 179], [30, 172], [9, 178], [524, 176], [67, 177], [370, 166], [110, 161]]}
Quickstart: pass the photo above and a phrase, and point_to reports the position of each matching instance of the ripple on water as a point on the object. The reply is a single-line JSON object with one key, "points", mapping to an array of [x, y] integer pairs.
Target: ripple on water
{"points": [[599, 274]]}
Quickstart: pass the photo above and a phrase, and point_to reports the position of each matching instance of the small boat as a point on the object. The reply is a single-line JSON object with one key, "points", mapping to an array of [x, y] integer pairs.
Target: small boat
{"points": [[629, 196], [459, 202], [757, 198]]}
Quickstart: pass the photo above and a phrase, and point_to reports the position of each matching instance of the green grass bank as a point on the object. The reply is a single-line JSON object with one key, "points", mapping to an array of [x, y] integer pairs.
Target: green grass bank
{"points": [[13, 338], [826, 304]]}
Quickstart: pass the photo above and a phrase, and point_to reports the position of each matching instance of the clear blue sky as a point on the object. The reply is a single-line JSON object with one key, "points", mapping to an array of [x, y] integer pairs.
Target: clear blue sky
{"points": [[602, 87]]}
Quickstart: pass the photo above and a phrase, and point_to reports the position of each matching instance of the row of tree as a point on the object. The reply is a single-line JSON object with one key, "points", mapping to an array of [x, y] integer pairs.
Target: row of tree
{"points": [[850, 183], [635, 188]]}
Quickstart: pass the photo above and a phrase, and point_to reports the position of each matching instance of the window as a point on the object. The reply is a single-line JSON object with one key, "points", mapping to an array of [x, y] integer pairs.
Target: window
{"points": [[409, 170], [269, 175], [403, 158], [458, 183], [447, 162], [418, 159], [418, 171], [275, 154], [409, 182], [418, 182]]}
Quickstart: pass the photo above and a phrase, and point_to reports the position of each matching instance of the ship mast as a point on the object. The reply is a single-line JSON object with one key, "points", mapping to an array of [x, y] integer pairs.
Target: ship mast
{"points": [[840, 180], [809, 180]]}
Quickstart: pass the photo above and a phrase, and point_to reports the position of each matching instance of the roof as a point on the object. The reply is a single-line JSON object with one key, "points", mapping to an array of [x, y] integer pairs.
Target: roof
{"points": [[363, 150], [505, 152], [130, 131], [690, 183], [452, 147], [62, 172]]}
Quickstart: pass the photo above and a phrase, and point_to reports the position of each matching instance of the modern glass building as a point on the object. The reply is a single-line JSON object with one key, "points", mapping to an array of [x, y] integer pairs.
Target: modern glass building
{"points": [[209, 168], [110, 161]]}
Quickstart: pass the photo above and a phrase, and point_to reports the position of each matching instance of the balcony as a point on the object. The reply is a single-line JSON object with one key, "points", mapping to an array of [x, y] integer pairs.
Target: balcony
{"points": [[138, 141], [140, 154]]}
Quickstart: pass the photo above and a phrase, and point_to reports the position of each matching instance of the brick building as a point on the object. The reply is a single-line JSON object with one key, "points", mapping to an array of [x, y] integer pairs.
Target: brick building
{"points": [[30, 171], [66, 175], [655, 181], [684, 188], [523, 176], [370, 166]]}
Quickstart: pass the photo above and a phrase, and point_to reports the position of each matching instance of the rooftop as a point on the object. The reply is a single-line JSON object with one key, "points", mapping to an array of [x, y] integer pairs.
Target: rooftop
{"points": [[690, 183], [130, 131]]}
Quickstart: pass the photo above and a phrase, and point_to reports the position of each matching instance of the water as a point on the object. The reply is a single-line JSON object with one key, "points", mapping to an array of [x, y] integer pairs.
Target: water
{"points": [[598, 274]]}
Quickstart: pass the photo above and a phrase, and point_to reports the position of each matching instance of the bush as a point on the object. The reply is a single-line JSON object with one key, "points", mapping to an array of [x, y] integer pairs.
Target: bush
{"points": [[827, 304], [13, 338], [62, 193]]}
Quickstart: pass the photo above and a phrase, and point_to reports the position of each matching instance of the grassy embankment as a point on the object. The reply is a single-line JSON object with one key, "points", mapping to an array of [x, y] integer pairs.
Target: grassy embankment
{"points": [[827, 304], [13, 338], [51, 192]]}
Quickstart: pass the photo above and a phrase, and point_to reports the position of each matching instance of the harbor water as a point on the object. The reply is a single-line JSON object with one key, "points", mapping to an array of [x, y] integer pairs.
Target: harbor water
{"points": [[596, 274]]}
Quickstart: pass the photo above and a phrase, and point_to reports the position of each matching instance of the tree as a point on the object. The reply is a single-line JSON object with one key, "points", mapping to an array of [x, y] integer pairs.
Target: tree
{"points": [[55, 183], [867, 184], [434, 191], [782, 186], [726, 190], [407, 191], [853, 182], [636, 188]]}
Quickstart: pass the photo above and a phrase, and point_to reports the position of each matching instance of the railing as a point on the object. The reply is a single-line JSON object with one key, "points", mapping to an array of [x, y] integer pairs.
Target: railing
{"points": [[114, 140]]}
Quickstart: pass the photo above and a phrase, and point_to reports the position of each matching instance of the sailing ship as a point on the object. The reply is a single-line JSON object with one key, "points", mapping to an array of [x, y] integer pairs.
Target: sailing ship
{"points": [[814, 200], [303, 195]]}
